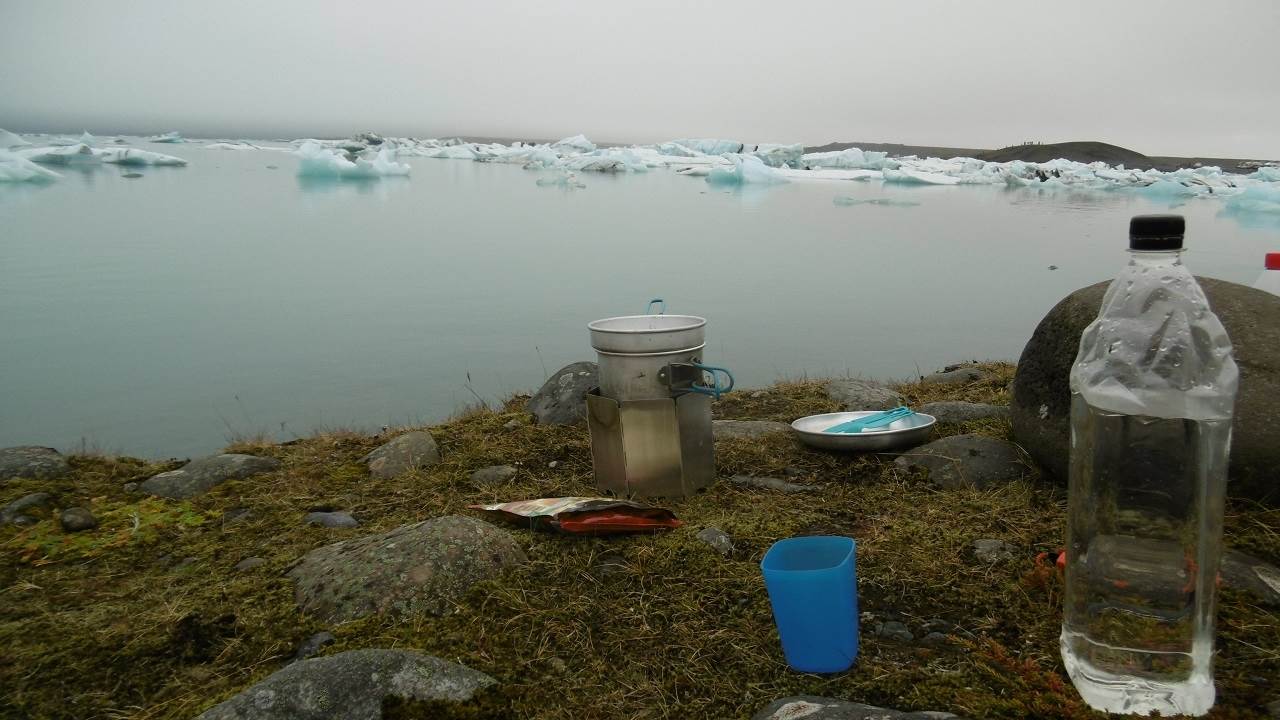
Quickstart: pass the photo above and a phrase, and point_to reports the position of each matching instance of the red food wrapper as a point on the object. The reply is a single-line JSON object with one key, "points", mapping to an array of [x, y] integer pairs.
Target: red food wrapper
{"points": [[583, 515]]}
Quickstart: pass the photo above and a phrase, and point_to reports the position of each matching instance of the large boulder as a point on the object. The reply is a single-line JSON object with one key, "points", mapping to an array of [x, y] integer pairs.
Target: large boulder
{"points": [[351, 686], [823, 708], [202, 475], [27, 510], [30, 461], [410, 451], [426, 566], [562, 399], [1041, 408], [972, 461]]}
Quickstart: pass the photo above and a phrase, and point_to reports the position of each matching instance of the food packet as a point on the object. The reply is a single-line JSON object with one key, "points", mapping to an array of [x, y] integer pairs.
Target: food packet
{"points": [[583, 515]]}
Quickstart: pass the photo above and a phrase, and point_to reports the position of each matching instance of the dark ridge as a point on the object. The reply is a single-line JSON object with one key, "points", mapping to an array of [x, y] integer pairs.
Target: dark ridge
{"points": [[1085, 151]]}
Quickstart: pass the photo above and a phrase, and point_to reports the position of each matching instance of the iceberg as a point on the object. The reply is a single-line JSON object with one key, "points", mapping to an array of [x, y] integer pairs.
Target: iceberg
{"points": [[577, 143], [849, 159], [845, 200], [1166, 189], [918, 177], [169, 137], [1266, 173], [9, 140], [79, 154], [134, 156], [15, 168], [608, 161], [746, 170], [325, 163], [1256, 199], [779, 155], [563, 179], [709, 146], [242, 145]]}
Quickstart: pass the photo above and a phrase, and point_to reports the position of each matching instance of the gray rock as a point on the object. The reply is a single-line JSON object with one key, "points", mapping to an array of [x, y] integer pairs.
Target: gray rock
{"points": [[957, 412], [717, 539], [313, 645], [1252, 575], [721, 429], [1041, 408], [962, 375], [562, 399], [130, 487], [350, 685], [426, 566], [811, 707], [934, 639], [493, 475], [32, 462], [410, 451], [512, 425], [250, 563], [856, 395], [990, 550], [202, 475], [894, 630], [331, 519], [236, 515], [768, 483], [758, 394], [967, 461], [27, 509], [76, 519]]}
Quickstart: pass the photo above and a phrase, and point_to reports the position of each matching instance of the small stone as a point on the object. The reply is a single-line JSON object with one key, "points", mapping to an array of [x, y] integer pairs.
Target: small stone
{"points": [[250, 563], [957, 412], [957, 376], [768, 483], [553, 464], [557, 666], [236, 515], [974, 461], [717, 539], [130, 487], [512, 425], [934, 639], [721, 429], [26, 510], [410, 451], [201, 475], [331, 519], [854, 395], [894, 630], [185, 563], [313, 645], [1252, 575], [758, 394], [32, 462], [493, 475], [76, 519], [990, 550], [792, 471]]}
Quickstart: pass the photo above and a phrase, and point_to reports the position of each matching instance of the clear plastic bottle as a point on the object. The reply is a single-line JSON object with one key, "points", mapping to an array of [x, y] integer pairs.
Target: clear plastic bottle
{"points": [[1269, 280], [1153, 390]]}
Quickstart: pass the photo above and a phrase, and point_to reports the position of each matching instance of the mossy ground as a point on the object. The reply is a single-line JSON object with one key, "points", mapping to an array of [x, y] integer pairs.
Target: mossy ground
{"points": [[146, 618]]}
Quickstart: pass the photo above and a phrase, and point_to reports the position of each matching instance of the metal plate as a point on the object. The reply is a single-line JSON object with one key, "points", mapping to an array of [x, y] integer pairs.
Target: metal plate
{"points": [[651, 447], [904, 433]]}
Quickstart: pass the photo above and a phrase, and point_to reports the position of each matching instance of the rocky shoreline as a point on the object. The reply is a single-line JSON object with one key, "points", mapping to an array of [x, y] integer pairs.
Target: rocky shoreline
{"points": [[344, 576]]}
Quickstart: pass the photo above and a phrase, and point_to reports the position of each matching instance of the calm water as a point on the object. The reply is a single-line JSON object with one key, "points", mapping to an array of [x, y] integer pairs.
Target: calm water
{"points": [[158, 316]]}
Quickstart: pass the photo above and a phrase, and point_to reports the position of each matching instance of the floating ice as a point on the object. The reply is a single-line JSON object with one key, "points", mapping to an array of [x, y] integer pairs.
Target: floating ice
{"points": [[1166, 189], [563, 179], [580, 143], [849, 159], [746, 170], [169, 137], [707, 146], [918, 177], [79, 154], [831, 174], [611, 160], [134, 156], [1256, 199], [845, 200], [779, 155], [241, 145], [87, 139], [325, 163], [8, 140], [15, 168], [1266, 173]]}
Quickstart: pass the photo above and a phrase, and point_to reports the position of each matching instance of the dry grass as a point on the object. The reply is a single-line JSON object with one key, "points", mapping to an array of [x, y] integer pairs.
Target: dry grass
{"points": [[145, 617]]}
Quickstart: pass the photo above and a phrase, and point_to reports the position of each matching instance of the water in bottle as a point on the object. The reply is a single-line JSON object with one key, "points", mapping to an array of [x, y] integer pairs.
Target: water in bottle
{"points": [[1153, 390]]}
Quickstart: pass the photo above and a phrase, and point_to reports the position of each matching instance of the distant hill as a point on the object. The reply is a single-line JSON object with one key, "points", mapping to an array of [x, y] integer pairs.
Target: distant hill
{"points": [[1085, 152]]}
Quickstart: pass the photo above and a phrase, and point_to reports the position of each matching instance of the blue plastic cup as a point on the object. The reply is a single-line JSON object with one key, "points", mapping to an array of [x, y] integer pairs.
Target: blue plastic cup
{"points": [[813, 589]]}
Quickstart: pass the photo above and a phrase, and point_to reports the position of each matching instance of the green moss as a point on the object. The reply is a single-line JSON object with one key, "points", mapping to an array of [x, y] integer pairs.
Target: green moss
{"points": [[156, 623]]}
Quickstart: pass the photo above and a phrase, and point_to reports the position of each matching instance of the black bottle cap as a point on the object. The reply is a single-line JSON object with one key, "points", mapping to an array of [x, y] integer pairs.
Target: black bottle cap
{"points": [[1156, 232]]}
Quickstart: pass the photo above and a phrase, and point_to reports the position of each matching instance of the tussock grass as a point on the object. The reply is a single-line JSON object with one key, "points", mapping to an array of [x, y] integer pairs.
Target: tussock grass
{"points": [[145, 617]]}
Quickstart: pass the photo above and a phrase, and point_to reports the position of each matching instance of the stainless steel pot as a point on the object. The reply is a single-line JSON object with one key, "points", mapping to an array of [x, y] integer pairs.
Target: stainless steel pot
{"points": [[641, 376], [648, 333]]}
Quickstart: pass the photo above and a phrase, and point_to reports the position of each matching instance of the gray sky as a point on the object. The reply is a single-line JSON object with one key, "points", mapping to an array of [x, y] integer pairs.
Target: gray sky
{"points": [[1171, 77]]}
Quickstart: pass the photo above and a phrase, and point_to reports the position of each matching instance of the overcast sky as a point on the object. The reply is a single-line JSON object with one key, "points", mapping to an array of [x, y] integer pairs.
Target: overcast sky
{"points": [[1183, 77]]}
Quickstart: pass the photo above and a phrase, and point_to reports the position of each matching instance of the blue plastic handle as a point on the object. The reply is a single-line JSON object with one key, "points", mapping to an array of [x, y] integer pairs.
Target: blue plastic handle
{"points": [[716, 389], [648, 308]]}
